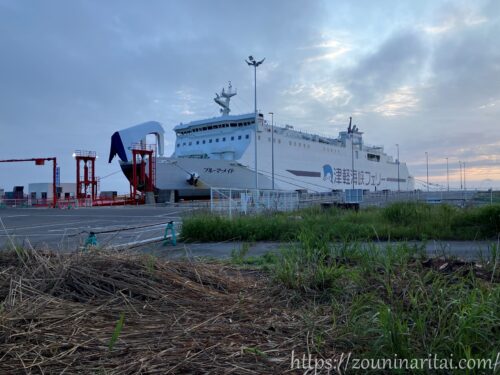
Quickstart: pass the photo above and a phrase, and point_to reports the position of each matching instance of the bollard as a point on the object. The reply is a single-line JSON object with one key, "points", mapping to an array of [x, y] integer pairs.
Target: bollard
{"points": [[171, 227], [91, 241]]}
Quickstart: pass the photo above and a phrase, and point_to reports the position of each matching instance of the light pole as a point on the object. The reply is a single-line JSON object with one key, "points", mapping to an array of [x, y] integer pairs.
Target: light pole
{"points": [[352, 159], [427, 163], [255, 64], [397, 145], [465, 188], [447, 175], [460, 166], [272, 146]]}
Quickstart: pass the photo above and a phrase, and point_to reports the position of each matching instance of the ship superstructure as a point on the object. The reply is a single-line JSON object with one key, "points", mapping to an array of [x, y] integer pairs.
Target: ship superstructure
{"points": [[220, 152]]}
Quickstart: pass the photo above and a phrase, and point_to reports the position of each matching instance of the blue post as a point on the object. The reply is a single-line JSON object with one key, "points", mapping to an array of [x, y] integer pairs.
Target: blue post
{"points": [[171, 227]]}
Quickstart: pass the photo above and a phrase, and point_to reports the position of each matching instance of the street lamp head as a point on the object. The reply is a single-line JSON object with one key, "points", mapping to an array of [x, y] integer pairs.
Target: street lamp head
{"points": [[250, 58]]}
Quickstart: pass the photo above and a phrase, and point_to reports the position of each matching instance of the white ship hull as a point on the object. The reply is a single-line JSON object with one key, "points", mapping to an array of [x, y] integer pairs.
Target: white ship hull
{"points": [[220, 153], [321, 170]]}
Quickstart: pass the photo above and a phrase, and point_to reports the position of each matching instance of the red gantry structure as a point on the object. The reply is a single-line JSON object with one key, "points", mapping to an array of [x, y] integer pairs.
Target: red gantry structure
{"points": [[86, 183], [41, 161], [142, 155]]}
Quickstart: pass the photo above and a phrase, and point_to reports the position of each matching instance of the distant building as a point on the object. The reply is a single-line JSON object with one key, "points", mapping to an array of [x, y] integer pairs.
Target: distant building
{"points": [[43, 190]]}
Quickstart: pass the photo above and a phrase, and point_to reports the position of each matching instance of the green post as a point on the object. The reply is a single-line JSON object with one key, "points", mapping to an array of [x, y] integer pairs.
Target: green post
{"points": [[171, 227], [91, 241]]}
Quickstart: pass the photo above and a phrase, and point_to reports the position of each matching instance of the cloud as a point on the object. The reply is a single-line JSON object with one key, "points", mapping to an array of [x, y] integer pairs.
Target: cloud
{"points": [[75, 72], [330, 49], [397, 62], [400, 102]]}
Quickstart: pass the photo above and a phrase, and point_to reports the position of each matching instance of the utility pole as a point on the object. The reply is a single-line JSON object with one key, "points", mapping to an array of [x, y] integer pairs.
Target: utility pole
{"points": [[255, 64]]}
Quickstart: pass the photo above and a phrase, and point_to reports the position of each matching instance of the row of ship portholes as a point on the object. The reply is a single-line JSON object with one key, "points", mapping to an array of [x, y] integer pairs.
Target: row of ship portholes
{"points": [[204, 141], [300, 144]]}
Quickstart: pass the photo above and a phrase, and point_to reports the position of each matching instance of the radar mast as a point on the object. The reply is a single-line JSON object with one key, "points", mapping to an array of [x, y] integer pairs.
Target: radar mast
{"points": [[224, 98]]}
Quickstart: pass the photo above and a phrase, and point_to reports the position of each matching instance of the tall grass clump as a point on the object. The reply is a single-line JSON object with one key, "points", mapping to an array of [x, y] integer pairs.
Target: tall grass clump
{"points": [[398, 221], [212, 228], [393, 300], [478, 222]]}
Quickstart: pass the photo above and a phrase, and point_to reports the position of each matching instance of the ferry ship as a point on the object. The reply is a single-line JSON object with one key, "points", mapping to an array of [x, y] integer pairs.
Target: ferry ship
{"points": [[220, 152]]}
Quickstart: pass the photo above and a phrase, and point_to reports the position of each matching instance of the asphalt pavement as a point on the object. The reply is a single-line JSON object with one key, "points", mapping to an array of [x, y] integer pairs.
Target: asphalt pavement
{"points": [[143, 227], [67, 229]]}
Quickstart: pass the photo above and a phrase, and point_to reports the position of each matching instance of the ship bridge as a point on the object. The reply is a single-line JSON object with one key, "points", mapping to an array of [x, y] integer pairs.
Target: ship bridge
{"points": [[226, 137]]}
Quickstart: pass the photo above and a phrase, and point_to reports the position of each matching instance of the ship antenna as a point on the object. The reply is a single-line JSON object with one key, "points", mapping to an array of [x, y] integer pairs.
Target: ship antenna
{"points": [[224, 98]]}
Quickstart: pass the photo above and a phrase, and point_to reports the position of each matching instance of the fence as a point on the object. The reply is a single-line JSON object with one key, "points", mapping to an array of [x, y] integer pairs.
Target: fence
{"points": [[381, 198], [250, 201], [67, 202]]}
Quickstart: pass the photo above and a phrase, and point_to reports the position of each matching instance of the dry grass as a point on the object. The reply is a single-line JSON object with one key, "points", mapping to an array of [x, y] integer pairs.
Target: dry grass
{"points": [[59, 315]]}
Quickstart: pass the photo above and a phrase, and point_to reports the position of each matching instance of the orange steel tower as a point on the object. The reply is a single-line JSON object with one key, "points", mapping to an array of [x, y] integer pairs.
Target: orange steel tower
{"points": [[86, 183], [41, 161], [145, 182]]}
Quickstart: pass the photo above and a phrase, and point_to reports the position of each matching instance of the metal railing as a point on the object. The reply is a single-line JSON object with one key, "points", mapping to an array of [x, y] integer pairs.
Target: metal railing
{"points": [[249, 201]]}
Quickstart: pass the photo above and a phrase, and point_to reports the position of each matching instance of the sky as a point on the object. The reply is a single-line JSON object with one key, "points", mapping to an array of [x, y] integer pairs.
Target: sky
{"points": [[421, 74]]}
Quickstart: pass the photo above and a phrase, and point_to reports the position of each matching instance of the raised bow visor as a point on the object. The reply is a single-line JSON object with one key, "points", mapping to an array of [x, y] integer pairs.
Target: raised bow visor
{"points": [[123, 141]]}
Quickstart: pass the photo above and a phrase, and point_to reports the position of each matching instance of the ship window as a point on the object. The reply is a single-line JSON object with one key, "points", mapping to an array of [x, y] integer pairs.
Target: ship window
{"points": [[373, 157], [190, 143], [247, 136], [290, 142], [178, 145], [233, 124], [204, 128], [216, 139], [210, 140], [203, 141], [184, 144], [239, 137], [232, 138], [224, 139], [197, 142]]}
